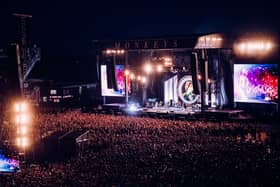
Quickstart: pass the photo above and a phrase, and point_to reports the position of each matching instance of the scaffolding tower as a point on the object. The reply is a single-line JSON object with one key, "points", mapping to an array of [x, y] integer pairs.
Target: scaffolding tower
{"points": [[27, 56]]}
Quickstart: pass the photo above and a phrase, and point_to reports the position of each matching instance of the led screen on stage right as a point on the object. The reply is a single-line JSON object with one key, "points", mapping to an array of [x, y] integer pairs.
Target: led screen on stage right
{"points": [[255, 83]]}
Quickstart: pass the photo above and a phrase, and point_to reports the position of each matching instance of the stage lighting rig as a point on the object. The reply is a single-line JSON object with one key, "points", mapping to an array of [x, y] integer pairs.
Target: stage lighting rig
{"points": [[22, 121], [254, 47]]}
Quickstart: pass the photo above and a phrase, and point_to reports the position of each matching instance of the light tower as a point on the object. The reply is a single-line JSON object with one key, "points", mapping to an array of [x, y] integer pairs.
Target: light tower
{"points": [[26, 56]]}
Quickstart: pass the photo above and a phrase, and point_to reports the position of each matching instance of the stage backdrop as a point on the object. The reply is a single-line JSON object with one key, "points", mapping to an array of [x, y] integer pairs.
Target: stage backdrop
{"points": [[180, 89], [170, 89]]}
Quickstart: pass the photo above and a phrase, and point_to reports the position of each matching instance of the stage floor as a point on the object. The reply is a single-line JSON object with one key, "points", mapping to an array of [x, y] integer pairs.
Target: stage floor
{"points": [[179, 112], [190, 113]]}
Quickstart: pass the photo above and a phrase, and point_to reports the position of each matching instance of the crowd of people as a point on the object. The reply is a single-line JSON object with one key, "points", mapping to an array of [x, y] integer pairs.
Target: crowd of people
{"points": [[140, 151]]}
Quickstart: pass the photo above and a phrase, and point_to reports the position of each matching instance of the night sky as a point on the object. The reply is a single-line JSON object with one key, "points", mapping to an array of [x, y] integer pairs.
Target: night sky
{"points": [[67, 27]]}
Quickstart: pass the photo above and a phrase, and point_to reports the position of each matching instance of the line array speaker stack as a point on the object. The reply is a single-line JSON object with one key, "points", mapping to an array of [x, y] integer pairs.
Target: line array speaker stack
{"points": [[194, 71]]}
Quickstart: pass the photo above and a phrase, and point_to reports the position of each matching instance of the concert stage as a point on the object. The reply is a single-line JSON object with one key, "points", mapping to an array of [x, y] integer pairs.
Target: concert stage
{"points": [[187, 72], [188, 113]]}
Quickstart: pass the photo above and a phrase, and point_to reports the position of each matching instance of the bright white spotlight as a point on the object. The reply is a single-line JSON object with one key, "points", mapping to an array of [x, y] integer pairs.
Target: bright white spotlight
{"points": [[144, 80], [148, 68], [214, 39], [23, 119], [24, 142], [108, 51], [18, 141], [199, 77], [268, 46], [17, 107], [254, 47], [23, 107], [23, 130], [132, 76], [167, 59], [159, 68], [126, 72], [132, 107], [18, 118], [242, 46], [138, 77]]}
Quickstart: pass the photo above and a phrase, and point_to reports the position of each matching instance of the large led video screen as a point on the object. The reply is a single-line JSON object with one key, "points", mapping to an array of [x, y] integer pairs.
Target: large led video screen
{"points": [[8, 165], [120, 78], [170, 89], [255, 83]]}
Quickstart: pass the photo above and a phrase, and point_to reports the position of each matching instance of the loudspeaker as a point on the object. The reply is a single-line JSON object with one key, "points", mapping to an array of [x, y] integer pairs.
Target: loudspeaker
{"points": [[111, 76], [204, 70], [194, 71]]}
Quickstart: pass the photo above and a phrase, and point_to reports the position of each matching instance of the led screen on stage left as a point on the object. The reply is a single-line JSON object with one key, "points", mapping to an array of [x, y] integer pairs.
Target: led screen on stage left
{"points": [[105, 91], [8, 165]]}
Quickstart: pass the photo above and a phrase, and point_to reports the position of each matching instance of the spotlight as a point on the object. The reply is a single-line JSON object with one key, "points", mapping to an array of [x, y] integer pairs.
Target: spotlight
{"points": [[126, 72], [254, 47], [23, 130], [159, 68], [17, 118], [108, 51], [24, 142], [17, 107], [18, 141], [138, 77], [268, 46], [23, 119], [23, 107], [132, 107], [20, 107], [148, 68], [144, 80]]}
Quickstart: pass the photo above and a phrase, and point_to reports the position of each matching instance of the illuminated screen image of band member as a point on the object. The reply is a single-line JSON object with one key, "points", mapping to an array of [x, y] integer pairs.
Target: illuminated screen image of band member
{"points": [[255, 83]]}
